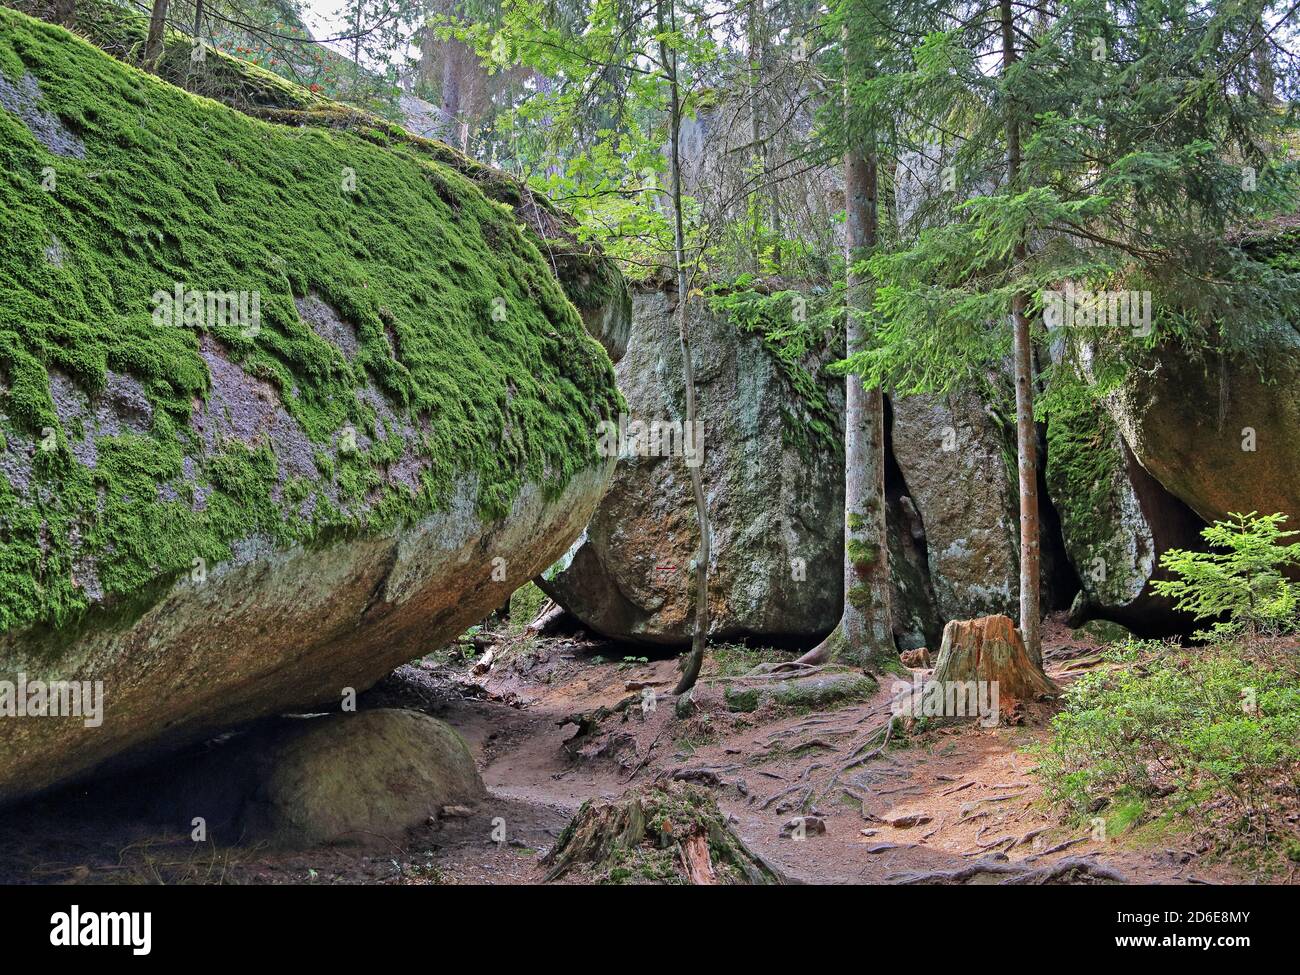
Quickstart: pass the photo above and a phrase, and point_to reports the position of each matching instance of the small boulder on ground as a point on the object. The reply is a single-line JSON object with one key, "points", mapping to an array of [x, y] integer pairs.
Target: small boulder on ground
{"points": [[1102, 631], [804, 826], [341, 778], [908, 820]]}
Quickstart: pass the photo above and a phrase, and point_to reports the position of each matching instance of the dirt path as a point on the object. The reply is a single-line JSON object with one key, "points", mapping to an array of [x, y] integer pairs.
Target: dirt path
{"points": [[966, 789]]}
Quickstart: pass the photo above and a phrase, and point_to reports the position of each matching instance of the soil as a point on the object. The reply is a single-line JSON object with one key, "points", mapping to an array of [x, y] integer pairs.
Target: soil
{"points": [[967, 791]]}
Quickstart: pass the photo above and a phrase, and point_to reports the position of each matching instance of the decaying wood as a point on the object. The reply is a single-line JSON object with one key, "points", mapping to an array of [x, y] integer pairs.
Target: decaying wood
{"points": [[546, 618], [988, 650], [696, 860], [655, 818], [916, 659]]}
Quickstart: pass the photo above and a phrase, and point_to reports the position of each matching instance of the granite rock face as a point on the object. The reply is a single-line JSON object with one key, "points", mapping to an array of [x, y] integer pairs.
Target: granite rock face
{"points": [[953, 456], [1116, 520], [775, 495], [1220, 434]]}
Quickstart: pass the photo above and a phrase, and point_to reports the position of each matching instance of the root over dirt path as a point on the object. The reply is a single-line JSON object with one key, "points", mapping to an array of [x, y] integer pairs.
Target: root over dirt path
{"points": [[552, 725]]}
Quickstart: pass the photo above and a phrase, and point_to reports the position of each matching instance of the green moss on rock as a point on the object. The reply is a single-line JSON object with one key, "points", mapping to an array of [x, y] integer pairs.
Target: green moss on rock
{"points": [[796, 332], [818, 693], [459, 324], [1084, 471], [590, 279], [1102, 631]]}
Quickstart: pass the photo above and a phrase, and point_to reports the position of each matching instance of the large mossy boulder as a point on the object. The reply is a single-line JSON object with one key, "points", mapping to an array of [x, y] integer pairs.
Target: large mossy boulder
{"points": [[590, 280], [222, 514], [773, 467], [1116, 519]]}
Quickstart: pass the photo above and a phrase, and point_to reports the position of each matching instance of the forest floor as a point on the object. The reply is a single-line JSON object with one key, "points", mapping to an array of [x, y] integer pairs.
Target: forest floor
{"points": [[967, 791]]}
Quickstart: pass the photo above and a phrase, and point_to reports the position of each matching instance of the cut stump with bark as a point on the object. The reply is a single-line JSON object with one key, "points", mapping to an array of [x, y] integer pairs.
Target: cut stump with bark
{"points": [[987, 651], [990, 649], [665, 833]]}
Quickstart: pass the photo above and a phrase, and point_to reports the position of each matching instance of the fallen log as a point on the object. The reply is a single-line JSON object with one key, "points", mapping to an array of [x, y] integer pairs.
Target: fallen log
{"points": [[550, 613]]}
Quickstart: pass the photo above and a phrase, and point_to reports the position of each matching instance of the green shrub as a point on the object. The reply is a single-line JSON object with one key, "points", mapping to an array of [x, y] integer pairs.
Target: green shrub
{"points": [[1244, 582], [1212, 733], [525, 604]]}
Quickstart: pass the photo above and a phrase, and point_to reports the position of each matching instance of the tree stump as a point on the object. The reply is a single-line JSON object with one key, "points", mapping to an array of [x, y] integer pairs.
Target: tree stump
{"points": [[661, 833], [990, 649], [982, 656]]}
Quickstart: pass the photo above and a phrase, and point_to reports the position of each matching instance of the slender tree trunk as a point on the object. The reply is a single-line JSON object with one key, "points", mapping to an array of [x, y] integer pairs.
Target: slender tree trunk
{"points": [[449, 104], [198, 19], [1265, 78], [691, 672], [1026, 434], [153, 45], [757, 161], [356, 49], [65, 12], [864, 635]]}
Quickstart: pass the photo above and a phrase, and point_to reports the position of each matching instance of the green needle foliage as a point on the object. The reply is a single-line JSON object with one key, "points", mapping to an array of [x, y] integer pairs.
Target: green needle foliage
{"points": [[1245, 581], [1148, 148]]}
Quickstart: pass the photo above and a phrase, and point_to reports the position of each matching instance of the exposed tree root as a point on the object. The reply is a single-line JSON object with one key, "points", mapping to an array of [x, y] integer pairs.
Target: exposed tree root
{"points": [[990, 870], [588, 722], [787, 668], [801, 784]]}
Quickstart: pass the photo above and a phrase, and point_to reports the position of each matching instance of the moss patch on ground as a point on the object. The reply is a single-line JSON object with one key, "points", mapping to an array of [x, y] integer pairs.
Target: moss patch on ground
{"points": [[459, 323], [805, 694]]}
